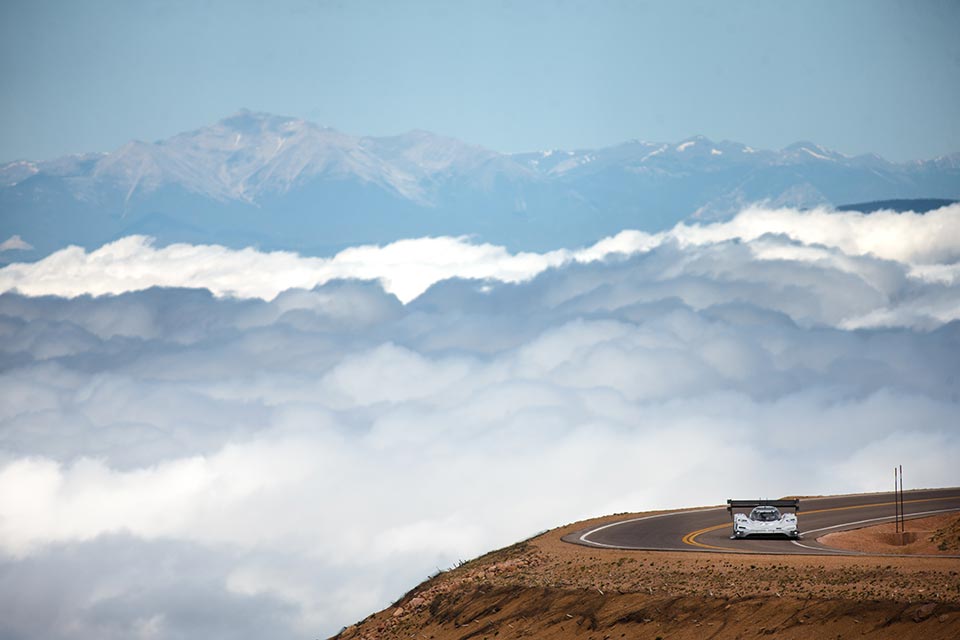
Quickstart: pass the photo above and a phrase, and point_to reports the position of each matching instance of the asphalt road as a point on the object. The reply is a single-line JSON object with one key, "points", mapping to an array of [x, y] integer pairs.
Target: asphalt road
{"points": [[710, 529]]}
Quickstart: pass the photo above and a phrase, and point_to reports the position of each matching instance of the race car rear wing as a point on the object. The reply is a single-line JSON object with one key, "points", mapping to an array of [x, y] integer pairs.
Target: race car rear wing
{"points": [[749, 504]]}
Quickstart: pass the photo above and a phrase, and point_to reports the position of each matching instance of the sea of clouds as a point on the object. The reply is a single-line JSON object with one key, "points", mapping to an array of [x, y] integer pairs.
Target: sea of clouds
{"points": [[203, 442]]}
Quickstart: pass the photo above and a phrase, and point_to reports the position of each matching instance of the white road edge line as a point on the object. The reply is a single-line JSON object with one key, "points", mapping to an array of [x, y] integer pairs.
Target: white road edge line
{"points": [[583, 538], [847, 524]]}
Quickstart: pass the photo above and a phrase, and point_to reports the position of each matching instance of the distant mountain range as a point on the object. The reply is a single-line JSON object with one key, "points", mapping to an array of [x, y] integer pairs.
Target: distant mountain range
{"points": [[283, 183]]}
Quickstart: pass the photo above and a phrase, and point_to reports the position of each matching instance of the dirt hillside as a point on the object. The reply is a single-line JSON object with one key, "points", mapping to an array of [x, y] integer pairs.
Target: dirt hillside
{"points": [[545, 588], [936, 535]]}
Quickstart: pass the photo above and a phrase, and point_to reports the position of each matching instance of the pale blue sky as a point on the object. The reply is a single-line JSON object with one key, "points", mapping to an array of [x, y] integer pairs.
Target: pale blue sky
{"points": [[856, 76]]}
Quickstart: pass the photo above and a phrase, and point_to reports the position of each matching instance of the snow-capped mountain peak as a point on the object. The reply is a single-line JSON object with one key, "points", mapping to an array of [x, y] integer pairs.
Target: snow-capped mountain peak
{"points": [[805, 151], [256, 175], [13, 172]]}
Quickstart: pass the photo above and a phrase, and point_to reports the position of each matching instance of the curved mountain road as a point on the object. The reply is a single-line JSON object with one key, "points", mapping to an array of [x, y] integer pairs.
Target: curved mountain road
{"points": [[709, 529]]}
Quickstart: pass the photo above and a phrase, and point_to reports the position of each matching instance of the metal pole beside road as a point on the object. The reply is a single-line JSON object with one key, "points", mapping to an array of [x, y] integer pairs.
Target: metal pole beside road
{"points": [[896, 503]]}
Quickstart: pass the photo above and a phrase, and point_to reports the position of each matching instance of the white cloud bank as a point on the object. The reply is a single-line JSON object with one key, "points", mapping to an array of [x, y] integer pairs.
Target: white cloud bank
{"points": [[278, 463], [929, 244]]}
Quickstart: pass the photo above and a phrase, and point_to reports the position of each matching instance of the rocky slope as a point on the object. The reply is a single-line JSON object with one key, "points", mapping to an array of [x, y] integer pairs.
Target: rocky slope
{"points": [[544, 588]]}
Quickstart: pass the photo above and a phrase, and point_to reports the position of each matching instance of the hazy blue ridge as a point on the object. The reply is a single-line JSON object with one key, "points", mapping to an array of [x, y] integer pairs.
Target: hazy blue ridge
{"points": [[918, 205], [272, 182]]}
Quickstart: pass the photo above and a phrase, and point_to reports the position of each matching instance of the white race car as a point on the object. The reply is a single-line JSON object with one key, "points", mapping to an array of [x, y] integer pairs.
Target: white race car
{"points": [[765, 518]]}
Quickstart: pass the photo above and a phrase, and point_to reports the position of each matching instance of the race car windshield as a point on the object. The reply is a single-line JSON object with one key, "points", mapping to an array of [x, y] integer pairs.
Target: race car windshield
{"points": [[765, 515]]}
